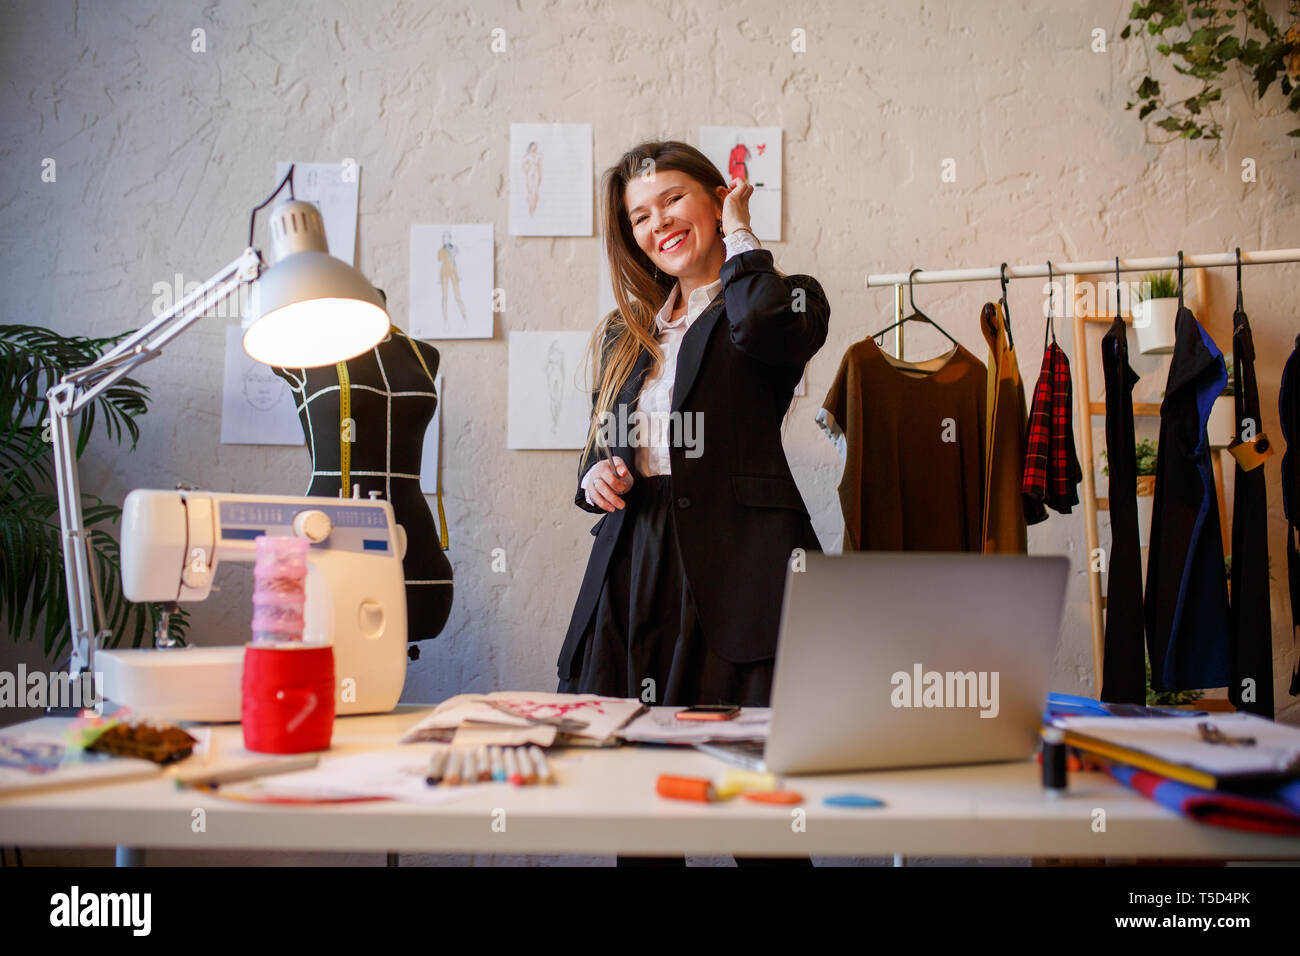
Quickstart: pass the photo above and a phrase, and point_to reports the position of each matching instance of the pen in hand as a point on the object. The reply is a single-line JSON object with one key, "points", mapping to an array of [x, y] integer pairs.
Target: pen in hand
{"points": [[609, 457]]}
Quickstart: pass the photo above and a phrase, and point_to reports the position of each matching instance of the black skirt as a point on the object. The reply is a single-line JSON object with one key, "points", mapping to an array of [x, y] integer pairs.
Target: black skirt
{"points": [[644, 639]]}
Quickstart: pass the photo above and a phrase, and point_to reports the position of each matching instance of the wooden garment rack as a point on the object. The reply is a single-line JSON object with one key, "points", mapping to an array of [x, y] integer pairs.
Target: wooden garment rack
{"points": [[1103, 271]]}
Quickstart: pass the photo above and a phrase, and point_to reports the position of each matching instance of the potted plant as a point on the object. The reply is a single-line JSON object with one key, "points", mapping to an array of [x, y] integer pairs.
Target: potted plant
{"points": [[1169, 698], [1155, 312], [33, 589], [1146, 450], [1221, 426]]}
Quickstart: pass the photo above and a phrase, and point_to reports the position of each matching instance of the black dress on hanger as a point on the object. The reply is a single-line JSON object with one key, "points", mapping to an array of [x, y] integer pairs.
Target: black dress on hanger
{"points": [[1253, 657], [392, 403], [1189, 627], [1123, 669]]}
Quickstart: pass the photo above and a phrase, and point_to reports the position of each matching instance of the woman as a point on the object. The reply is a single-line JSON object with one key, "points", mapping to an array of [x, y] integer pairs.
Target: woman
{"points": [[682, 595]]}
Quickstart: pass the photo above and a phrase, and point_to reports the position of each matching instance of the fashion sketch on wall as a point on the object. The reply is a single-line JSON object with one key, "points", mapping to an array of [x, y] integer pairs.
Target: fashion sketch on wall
{"points": [[751, 153], [549, 404], [257, 407], [560, 200], [451, 281]]}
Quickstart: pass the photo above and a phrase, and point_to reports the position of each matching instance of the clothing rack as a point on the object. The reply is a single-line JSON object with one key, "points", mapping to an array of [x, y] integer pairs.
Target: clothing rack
{"points": [[1085, 405], [899, 280]]}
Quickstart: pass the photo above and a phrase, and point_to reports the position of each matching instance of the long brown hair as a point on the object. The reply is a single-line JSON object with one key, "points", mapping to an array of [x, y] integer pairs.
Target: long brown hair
{"points": [[639, 288]]}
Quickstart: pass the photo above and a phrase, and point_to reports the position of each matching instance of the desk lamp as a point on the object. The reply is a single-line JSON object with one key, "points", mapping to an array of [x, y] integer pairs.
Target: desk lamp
{"points": [[304, 310]]}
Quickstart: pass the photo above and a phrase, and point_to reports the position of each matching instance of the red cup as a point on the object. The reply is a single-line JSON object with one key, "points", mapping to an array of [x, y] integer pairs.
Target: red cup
{"points": [[288, 698]]}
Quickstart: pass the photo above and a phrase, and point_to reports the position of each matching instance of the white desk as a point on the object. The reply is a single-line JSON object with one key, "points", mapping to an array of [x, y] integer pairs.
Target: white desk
{"points": [[605, 802]]}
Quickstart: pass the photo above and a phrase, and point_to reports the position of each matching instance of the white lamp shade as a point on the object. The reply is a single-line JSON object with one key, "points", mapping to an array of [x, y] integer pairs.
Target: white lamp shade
{"points": [[311, 309]]}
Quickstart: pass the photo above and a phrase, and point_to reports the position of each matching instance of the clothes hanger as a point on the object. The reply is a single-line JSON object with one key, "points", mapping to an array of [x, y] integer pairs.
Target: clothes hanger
{"points": [[1180, 280], [1051, 306], [1006, 309], [1117, 289], [1239, 308], [916, 316]]}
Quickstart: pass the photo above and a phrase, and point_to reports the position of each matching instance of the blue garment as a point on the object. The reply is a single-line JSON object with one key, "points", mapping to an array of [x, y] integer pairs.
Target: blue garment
{"points": [[1189, 628]]}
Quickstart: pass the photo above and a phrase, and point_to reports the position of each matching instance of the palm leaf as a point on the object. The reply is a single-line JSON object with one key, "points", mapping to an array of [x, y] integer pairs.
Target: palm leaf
{"points": [[33, 585]]}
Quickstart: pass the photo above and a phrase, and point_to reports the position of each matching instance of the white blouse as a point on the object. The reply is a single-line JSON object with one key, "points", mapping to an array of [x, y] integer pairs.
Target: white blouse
{"points": [[656, 399]]}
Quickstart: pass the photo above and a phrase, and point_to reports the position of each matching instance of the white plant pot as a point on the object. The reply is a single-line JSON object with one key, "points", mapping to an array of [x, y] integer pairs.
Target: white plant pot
{"points": [[1153, 320], [1220, 424], [1144, 503]]}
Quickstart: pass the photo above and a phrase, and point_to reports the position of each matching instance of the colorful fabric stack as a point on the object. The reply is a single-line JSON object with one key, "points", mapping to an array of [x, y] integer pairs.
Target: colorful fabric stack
{"points": [[1274, 811]]}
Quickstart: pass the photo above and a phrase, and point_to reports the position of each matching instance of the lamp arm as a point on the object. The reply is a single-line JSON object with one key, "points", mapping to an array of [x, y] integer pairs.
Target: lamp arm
{"points": [[70, 396]]}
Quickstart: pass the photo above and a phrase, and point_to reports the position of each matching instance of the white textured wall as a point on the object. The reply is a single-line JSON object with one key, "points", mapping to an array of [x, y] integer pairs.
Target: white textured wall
{"points": [[160, 153]]}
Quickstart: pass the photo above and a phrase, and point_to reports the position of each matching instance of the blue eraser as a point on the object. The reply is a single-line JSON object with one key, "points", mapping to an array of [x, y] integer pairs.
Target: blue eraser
{"points": [[852, 800]]}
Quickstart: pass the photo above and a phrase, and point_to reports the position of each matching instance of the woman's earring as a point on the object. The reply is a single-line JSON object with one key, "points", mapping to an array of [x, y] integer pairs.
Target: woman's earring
{"points": [[719, 227]]}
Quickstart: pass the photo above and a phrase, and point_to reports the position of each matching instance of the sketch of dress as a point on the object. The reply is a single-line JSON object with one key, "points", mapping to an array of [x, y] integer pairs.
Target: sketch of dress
{"points": [[449, 276], [554, 372], [532, 164], [736, 166]]}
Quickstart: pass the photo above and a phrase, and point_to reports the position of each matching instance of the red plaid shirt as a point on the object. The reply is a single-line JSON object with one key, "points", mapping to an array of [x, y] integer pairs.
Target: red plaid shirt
{"points": [[1051, 466]]}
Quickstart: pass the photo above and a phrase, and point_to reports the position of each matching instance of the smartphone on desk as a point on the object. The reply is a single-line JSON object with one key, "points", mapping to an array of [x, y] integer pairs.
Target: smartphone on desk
{"points": [[709, 712]]}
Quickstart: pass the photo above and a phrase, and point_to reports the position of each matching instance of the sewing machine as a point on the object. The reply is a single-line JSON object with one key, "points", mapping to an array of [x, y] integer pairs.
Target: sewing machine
{"points": [[172, 543]]}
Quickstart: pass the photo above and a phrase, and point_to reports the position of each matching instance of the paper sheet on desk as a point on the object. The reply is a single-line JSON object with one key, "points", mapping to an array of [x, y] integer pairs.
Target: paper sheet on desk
{"points": [[661, 726], [44, 761], [213, 762], [390, 774], [603, 716], [473, 736]]}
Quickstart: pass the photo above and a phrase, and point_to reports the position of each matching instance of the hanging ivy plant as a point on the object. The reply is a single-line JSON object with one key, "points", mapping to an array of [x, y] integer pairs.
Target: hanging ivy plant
{"points": [[1218, 33]]}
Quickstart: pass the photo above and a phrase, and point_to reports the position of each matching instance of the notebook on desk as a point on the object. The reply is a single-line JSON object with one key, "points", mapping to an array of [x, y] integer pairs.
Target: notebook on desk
{"points": [[1224, 752], [909, 660]]}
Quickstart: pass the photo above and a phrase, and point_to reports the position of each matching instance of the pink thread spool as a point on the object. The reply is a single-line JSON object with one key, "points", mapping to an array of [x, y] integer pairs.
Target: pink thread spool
{"points": [[280, 589]]}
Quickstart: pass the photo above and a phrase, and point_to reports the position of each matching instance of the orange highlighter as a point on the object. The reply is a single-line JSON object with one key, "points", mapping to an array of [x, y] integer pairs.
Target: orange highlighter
{"points": [[686, 788]]}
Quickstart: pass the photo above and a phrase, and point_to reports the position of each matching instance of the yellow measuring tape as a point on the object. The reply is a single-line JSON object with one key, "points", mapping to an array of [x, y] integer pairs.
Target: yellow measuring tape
{"points": [[346, 426]]}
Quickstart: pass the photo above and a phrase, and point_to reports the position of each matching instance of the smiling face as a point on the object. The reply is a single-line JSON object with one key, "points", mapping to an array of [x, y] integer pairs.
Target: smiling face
{"points": [[675, 222]]}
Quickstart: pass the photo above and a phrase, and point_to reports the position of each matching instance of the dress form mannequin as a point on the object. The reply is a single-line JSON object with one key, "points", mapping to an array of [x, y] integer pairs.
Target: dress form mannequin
{"points": [[392, 401]]}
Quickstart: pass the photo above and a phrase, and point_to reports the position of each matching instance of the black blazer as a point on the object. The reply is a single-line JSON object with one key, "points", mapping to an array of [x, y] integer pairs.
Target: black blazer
{"points": [[738, 511]]}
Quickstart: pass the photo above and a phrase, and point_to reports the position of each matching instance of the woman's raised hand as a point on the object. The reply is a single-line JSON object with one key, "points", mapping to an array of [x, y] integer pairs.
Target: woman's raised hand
{"points": [[607, 483], [735, 206]]}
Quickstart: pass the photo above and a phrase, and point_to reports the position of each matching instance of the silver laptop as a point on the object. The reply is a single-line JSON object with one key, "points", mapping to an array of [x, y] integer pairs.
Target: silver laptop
{"points": [[913, 659]]}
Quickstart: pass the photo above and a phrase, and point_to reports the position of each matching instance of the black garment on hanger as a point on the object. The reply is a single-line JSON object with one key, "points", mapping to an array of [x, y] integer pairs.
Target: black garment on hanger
{"points": [[1189, 628], [392, 403], [1124, 658], [1288, 406], [1253, 624]]}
